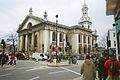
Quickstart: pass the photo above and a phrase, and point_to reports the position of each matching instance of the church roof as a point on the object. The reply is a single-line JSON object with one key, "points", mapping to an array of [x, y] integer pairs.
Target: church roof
{"points": [[42, 21], [81, 28]]}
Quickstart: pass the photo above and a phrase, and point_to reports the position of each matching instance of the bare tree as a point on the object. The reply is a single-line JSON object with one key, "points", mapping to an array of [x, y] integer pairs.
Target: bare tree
{"points": [[102, 40], [12, 37]]}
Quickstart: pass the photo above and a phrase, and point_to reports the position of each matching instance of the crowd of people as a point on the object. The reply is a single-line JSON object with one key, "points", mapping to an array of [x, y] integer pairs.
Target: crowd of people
{"points": [[9, 59], [107, 67]]}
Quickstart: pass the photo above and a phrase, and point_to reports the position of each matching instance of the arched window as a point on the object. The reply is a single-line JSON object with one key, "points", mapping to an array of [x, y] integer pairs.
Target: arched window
{"points": [[88, 27], [66, 38], [84, 38], [79, 38], [35, 39], [60, 37], [29, 25], [53, 36]]}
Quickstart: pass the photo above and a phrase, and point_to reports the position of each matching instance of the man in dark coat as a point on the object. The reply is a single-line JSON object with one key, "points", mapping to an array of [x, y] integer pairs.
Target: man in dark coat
{"points": [[102, 71]]}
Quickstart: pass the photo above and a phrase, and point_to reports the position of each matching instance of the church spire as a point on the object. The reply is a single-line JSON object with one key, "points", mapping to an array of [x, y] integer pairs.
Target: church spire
{"points": [[85, 19], [84, 2]]}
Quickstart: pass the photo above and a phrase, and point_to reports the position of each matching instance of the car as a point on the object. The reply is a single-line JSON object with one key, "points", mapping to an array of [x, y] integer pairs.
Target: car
{"points": [[44, 57], [22, 56]]}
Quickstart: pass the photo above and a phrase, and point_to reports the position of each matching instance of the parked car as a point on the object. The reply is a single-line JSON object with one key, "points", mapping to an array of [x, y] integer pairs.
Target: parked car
{"points": [[44, 56], [22, 56], [39, 56]]}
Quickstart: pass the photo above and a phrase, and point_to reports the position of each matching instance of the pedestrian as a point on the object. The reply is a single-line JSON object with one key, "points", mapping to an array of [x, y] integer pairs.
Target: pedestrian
{"points": [[88, 69], [13, 59], [112, 75], [3, 58], [102, 71]]}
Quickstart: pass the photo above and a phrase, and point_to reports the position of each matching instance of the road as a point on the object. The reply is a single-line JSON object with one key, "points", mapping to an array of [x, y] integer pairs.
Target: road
{"points": [[31, 70]]}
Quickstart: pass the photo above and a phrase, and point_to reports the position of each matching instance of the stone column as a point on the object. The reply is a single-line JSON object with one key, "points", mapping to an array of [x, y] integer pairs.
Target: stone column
{"points": [[64, 42], [45, 40], [32, 44], [87, 42], [38, 40], [26, 42], [82, 36], [58, 40], [75, 42], [91, 42], [51, 32], [20, 43]]}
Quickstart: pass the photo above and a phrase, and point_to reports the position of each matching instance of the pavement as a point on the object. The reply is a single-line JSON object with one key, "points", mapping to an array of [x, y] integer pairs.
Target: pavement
{"points": [[61, 64], [6, 67], [64, 63]]}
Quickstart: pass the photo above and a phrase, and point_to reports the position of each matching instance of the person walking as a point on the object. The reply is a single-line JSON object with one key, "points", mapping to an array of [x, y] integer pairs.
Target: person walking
{"points": [[113, 66], [102, 71], [88, 69]]}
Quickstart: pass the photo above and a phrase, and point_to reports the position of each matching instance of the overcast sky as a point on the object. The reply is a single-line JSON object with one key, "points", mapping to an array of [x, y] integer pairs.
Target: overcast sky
{"points": [[13, 12]]}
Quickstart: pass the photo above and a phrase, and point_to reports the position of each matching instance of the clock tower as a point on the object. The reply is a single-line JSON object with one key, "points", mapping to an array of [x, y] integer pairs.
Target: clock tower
{"points": [[85, 19]]}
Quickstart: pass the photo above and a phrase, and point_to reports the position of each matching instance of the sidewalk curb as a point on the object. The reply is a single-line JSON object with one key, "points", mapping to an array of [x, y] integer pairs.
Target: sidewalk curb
{"points": [[59, 65]]}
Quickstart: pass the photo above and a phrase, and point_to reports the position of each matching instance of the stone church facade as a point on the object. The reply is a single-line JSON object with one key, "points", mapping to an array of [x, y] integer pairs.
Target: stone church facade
{"points": [[42, 36]]}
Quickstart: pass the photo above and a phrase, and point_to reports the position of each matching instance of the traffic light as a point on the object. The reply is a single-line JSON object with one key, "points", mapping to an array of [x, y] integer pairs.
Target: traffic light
{"points": [[3, 43]]}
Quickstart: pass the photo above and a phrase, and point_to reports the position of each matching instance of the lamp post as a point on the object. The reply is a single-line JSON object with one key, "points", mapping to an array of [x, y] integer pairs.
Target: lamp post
{"points": [[56, 34]]}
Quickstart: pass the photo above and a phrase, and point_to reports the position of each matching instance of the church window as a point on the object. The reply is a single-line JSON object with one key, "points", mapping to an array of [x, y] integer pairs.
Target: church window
{"points": [[60, 37], [84, 39], [79, 38], [82, 25], [35, 40], [88, 39], [29, 25], [88, 27], [66, 38], [53, 35]]}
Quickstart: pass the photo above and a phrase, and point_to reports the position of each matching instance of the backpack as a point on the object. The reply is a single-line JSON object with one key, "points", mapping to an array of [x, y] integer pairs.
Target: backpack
{"points": [[114, 66]]}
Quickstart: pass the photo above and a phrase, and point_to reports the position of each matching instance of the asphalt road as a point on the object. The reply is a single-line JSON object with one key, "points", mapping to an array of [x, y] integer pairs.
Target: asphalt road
{"points": [[30, 70]]}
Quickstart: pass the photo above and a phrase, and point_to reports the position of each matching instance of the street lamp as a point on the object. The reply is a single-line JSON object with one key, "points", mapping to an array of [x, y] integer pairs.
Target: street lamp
{"points": [[56, 34]]}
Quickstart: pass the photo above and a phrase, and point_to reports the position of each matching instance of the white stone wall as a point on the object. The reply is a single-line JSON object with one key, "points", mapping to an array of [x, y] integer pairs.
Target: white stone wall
{"points": [[75, 42], [45, 40], [112, 38]]}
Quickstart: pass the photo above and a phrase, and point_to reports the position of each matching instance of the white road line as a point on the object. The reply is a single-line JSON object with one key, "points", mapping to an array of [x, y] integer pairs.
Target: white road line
{"points": [[71, 71], [58, 72], [37, 68], [79, 78], [5, 74], [34, 78], [23, 67]]}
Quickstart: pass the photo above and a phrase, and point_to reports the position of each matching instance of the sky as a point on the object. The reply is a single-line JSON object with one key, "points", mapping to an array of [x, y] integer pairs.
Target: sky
{"points": [[13, 12]]}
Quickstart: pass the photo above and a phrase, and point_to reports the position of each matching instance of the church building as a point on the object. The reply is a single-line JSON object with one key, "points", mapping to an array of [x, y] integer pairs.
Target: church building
{"points": [[40, 35]]}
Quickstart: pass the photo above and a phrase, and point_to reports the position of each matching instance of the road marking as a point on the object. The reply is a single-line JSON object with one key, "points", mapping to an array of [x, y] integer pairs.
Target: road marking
{"points": [[58, 72], [71, 71], [23, 67], [79, 78], [34, 78], [37, 68], [5, 74]]}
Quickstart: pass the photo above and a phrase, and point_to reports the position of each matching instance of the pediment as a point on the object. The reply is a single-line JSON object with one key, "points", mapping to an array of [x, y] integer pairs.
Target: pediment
{"points": [[29, 21]]}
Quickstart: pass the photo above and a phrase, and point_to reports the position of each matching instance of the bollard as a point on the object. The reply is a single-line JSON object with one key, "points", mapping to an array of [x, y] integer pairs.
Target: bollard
{"points": [[54, 61]]}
